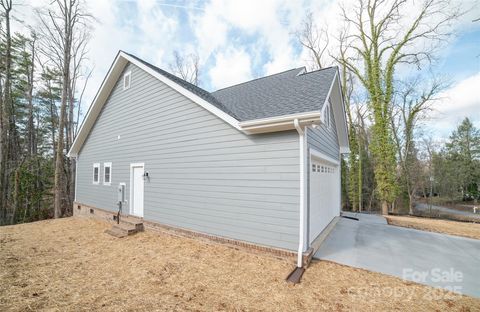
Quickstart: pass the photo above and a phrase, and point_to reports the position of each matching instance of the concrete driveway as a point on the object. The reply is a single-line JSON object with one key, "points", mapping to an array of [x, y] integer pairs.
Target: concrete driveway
{"points": [[433, 259]]}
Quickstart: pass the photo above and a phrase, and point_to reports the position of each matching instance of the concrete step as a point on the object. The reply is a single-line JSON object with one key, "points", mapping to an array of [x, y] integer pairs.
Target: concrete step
{"points": [[125, 228], [137, 223], [116, 233], [128, 228]]}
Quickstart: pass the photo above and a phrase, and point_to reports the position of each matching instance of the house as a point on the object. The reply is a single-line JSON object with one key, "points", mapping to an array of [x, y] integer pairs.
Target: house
{"points": [[256, 163]]}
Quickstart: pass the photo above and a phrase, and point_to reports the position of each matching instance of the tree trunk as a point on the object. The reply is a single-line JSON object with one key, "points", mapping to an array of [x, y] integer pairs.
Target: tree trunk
{"points": [[410, 204], [360, 184], [384, 207], [59, 162], [31, 125], [7, 118], [71, 162], [3, 160], [53, 116], [16, 195]]}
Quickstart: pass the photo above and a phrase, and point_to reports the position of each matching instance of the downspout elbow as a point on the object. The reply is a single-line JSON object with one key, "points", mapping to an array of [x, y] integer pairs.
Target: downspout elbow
{"points": [[296, 124]]}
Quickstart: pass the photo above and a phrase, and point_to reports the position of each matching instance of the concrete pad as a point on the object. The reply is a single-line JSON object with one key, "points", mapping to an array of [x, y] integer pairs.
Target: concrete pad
{"points": [[433, 259]]}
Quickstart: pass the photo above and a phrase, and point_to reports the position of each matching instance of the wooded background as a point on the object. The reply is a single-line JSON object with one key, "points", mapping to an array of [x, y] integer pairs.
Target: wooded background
{"points": [[393, 162]]}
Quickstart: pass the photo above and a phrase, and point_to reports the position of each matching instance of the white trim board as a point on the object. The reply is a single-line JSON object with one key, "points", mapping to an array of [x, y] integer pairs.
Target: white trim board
{"points": [[130, 196], [326, 102], [322, 156]]}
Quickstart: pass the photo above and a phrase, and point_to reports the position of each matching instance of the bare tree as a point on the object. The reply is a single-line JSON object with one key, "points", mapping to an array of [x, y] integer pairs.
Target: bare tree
{"points": [[315, 40], [61, 41], [79, 57], [31, 139], [411, 108], [7, 117], [186, 67]]}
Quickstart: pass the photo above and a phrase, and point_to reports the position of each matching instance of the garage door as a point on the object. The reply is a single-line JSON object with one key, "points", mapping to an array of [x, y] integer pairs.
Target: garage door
{"points": [[324, 195]]}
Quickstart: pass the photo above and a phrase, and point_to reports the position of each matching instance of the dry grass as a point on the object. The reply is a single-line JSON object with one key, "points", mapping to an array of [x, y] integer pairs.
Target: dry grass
{"points": [[471, 230], [70, 264]]}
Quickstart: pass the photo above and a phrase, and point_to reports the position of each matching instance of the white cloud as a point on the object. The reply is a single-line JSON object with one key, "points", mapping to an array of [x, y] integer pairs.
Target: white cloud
{"points": [[156, 27], [236, 40], [142, 28], [460, 101], [231, 67], [210, 31], [268, 23]]}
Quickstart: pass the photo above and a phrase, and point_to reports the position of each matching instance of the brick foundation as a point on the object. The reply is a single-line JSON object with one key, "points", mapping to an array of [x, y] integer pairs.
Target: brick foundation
{"points": [[101, 214]]}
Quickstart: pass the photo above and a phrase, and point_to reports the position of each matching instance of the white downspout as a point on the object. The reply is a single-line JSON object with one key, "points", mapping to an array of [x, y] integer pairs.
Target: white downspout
{"points": [[76, 177], [301, 241]]}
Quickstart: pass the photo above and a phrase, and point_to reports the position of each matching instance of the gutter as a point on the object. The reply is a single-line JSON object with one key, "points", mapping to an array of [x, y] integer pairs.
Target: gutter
{"points": [[301, 242], [280, 123]]}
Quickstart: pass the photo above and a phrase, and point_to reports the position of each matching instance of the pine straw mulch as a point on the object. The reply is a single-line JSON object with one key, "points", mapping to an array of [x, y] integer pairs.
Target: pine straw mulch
{"points": [[465, 229], [71, 265]]}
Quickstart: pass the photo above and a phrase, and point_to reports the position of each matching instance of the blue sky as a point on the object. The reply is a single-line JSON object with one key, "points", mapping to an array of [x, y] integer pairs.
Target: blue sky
{"points": [[242, 40], [462, 57]]}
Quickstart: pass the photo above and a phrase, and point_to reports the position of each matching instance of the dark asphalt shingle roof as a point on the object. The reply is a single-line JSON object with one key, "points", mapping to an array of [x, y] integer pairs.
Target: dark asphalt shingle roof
{"points": [[285, 93], [281, 94]]}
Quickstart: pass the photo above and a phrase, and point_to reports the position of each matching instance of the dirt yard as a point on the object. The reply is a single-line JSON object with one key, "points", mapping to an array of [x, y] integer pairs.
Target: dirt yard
{"points": [[465, 229], [70, 264]]}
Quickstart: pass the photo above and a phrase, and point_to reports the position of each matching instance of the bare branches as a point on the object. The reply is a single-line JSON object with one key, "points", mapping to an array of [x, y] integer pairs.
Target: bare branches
{"points": [[412, 106], [186, 67], [315, 40], [79, 104], [64, 36]]}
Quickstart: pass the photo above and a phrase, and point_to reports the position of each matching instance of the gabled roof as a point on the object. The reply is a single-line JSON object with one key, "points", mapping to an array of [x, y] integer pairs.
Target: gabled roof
{"points": [[187, 85], [266, 104], [290, 92]]}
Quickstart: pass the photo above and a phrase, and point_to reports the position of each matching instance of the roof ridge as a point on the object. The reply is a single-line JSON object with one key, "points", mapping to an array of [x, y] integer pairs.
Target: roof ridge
{"points": [[317, 70], [268, 76]]}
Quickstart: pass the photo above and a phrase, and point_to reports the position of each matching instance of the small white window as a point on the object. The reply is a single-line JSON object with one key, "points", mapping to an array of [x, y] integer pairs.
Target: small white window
{"points": [[327, 116], [107, 173], [127, 79], [314, 168], [96, 173]]}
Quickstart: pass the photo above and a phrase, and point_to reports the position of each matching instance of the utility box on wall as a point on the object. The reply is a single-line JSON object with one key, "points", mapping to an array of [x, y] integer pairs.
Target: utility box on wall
{"points": [[121, 193]]}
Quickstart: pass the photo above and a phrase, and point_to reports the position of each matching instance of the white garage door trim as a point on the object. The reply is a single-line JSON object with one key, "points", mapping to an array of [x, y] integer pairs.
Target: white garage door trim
{"points": [[317, 154], [324, 192]]}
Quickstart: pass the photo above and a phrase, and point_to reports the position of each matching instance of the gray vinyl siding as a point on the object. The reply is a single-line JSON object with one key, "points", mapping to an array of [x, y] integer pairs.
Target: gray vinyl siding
{"points": [[204, 175], [324, 139]]}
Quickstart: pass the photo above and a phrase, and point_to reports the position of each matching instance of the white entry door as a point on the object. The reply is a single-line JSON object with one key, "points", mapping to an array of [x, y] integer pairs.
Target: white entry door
{"points": [[324, 195], [136, 191]]}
